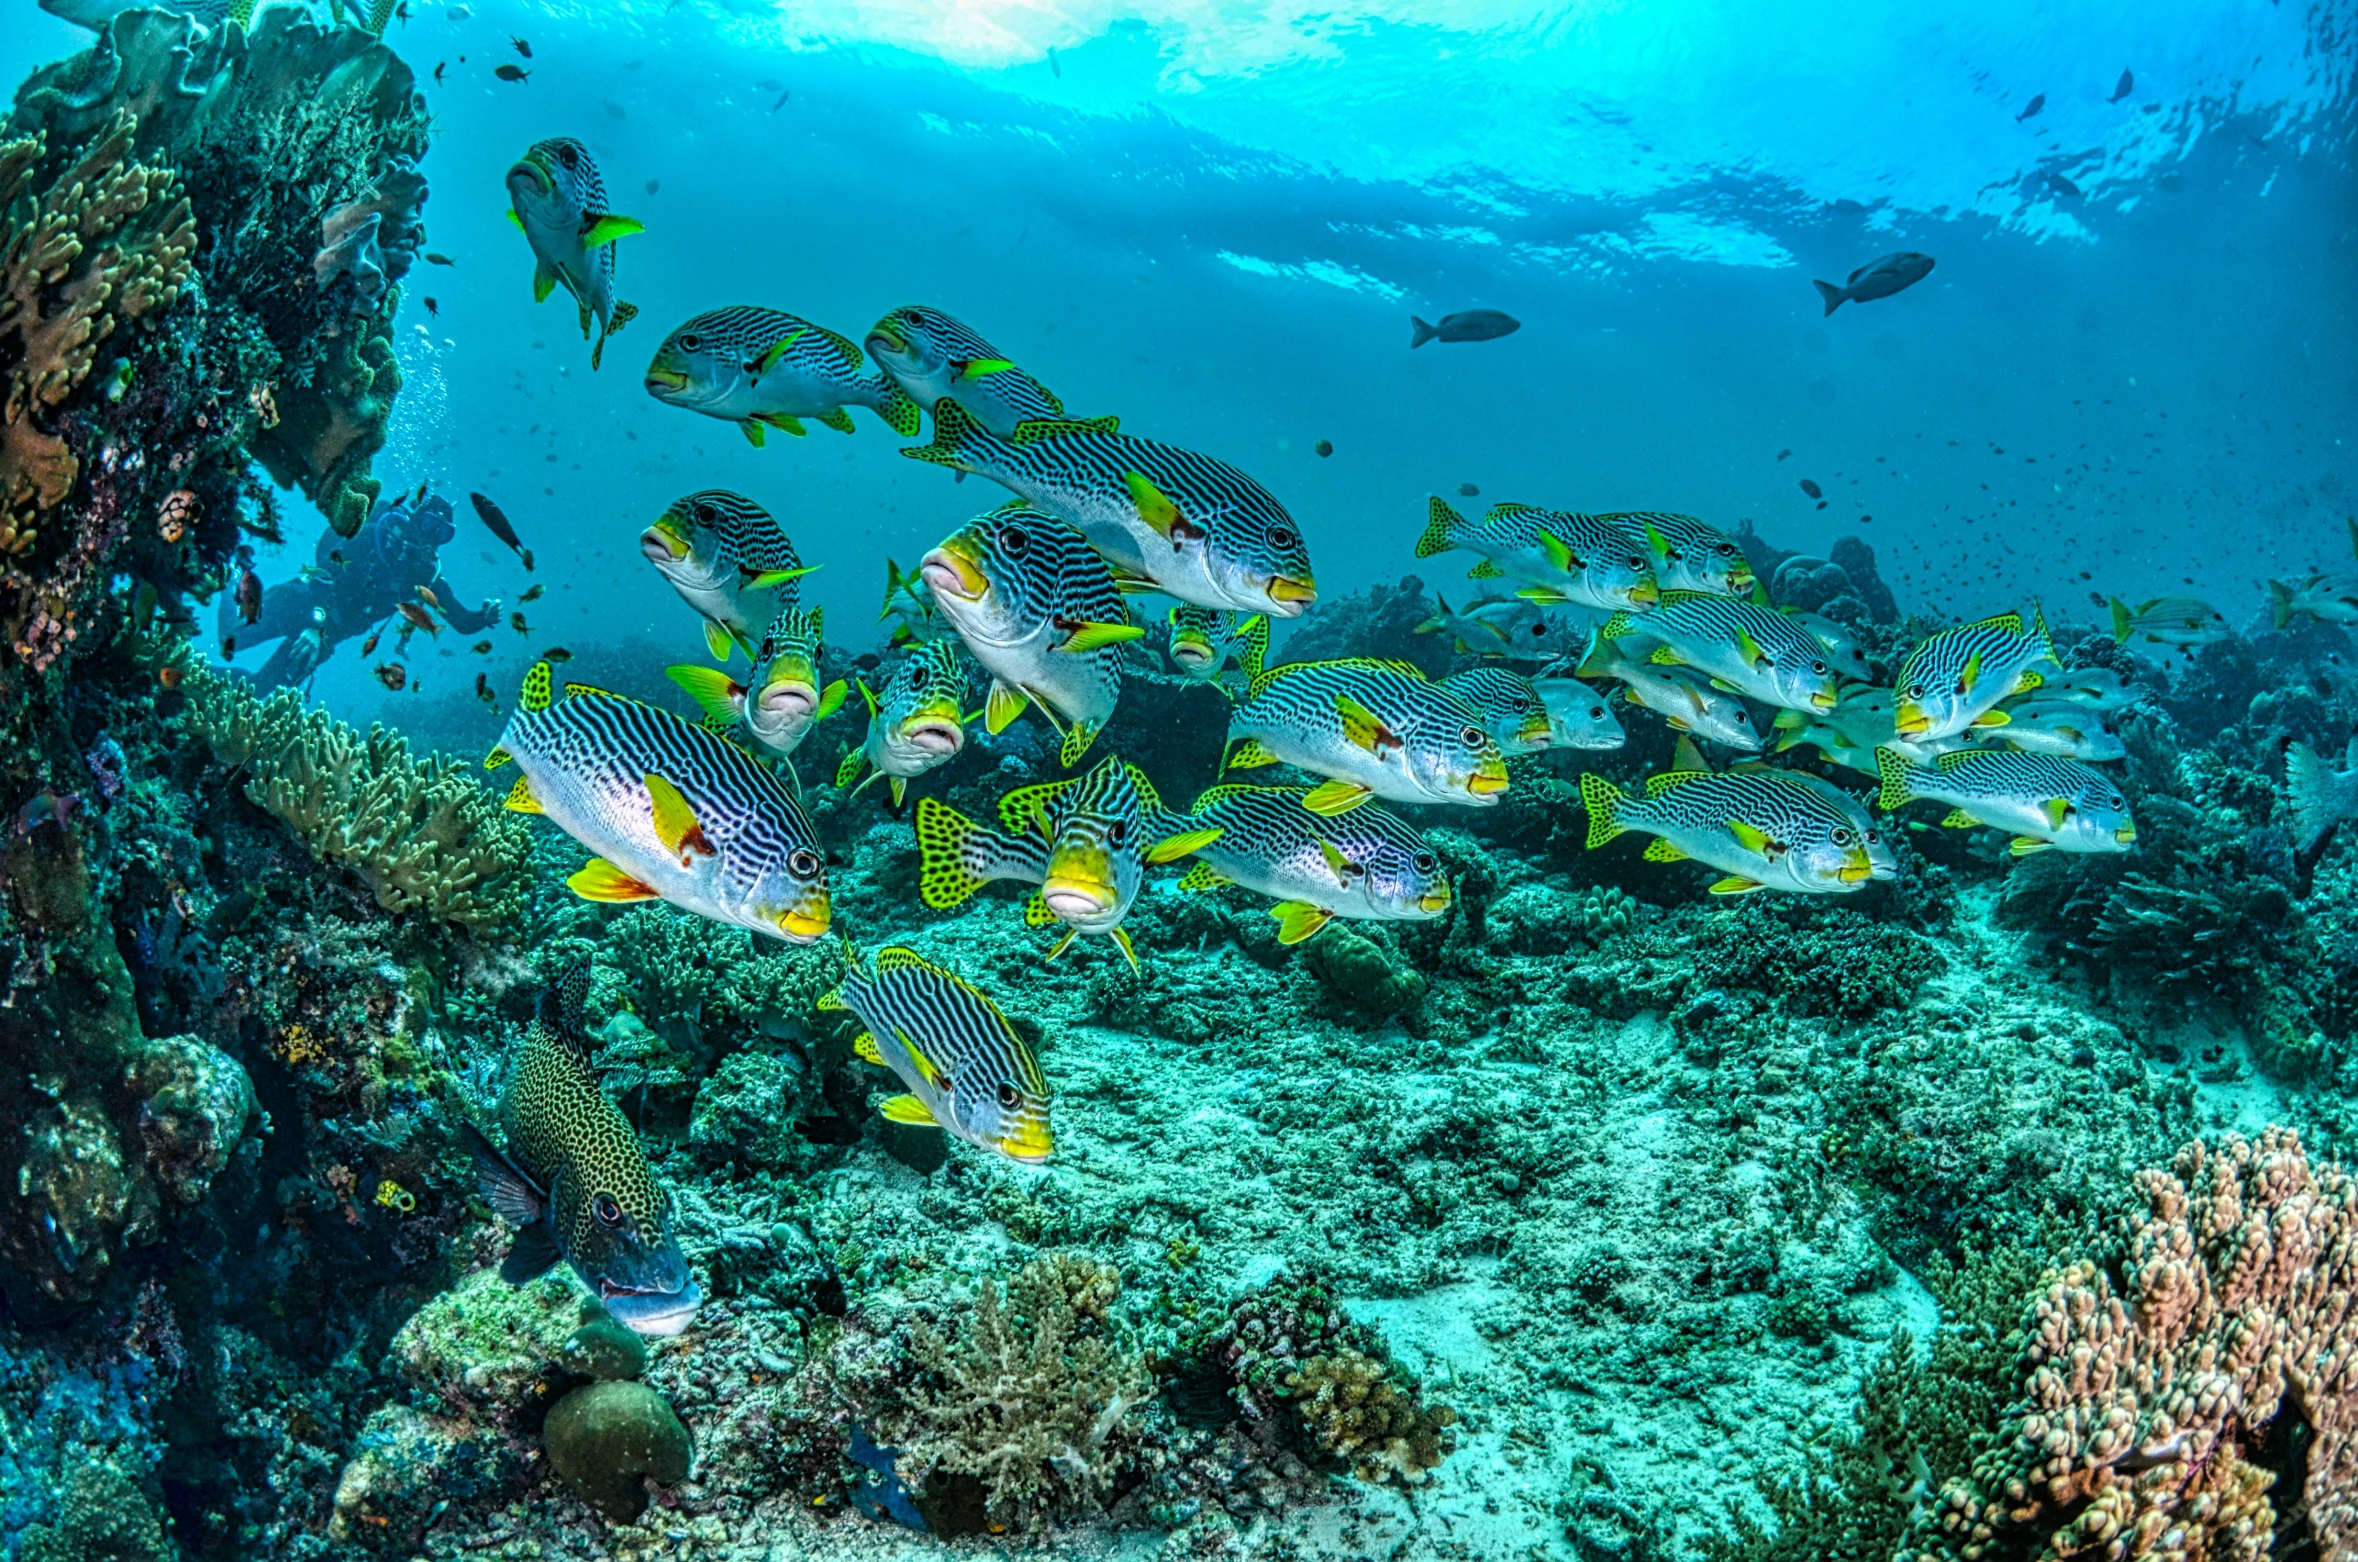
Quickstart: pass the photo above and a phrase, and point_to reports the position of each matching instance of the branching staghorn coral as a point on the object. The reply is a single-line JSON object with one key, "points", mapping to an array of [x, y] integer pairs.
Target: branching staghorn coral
{"points": [[422, 834], [2145, 1411], [1033, 1399], [102, 243]]}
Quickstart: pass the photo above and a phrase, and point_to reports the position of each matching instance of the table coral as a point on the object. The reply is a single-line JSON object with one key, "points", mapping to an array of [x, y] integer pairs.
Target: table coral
{"points": [[2144, 1422], [422, 834]]}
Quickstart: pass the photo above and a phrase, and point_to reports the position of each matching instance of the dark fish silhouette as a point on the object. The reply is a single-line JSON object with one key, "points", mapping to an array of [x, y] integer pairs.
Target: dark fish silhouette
{"points": [[522, 47], [249, 596], [1812, 489], [1467, 325], [439, 67], [781, 103], [2127, 85], [497, 520], [1325, 447], [2062, 186], [437, 258], [393, 676], [1469, 491], [432, 307], [1877, 279], [513, 73], [2030, 110], [654, 186], [531, 594]]}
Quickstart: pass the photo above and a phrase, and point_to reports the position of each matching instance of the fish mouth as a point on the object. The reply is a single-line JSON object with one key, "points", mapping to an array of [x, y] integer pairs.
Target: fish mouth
{"points": [[545, 181], [1031, 1144], [1191, 655], [1856, 868], [662, 544], [1909, 721], [943, 735], [1488, 781], [2126, 835], [1537, 735], [1288, 596], [790, 695], [1434, 901], [807, 921], [660, 1314], [1075, 900], [1644, 594], [1824, 699], [887, 339], [662, 381], [949, 571]]}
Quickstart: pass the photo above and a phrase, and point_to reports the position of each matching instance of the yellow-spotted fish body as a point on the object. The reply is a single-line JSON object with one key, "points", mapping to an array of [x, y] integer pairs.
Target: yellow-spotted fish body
{"points": [[966, 1068], [936, 356], [575, 1180], [1688, 554], [1741, 646], [1207, 641], [722, 552], [2044, 800], [1562, 557], [1035, 605], [670, 811], [782, 698], [1377, 729], [916, 719], [1957, 679], [1764, 829], [1085, 842], [558, 198], [765, 369], [1366, 865], [1174, 519]]}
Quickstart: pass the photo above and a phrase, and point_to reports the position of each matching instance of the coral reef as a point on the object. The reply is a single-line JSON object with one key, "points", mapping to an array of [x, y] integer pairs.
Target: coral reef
{"points": [[423, 835], [2144, 1409]]}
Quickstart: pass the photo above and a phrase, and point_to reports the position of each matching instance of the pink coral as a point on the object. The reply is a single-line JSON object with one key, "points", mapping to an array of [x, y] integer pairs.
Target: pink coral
{"points": [[2141, 1411]]}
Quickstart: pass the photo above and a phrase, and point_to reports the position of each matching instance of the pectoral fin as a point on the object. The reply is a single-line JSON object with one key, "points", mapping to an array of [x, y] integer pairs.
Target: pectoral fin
{"points": [[598, 231], [764, 580], [1298, 919], [1155, 508], [1337, 864], [1749, 648], [777, 350], [1094, 637], [1173, 847], [718, 641], [1752, 838], [2056, 809], [831, 699], [976, 368], [1363, 728], [676, 825]]}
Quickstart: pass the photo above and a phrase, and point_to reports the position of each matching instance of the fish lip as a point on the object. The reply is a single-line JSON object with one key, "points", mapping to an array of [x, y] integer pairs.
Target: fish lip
{"points": [[807, 922], [788, 697], [1288, 596], [892, 342], [1644, 594], [1029, 1151], [935, 734], [2126, 835], [1435, 901], [660, 381], [540, 176], [946, 570], [1487, 783], [663, 545], [660, 1322], [1073, 902]]}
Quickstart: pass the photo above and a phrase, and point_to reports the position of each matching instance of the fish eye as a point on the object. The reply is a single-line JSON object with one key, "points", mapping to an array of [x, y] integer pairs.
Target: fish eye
{"points": [[706, 515], [1841, 836], [1424, 862], [1819, 668], [1636, 563], [1915, 691], [1120, 833], [691, 341], [916, 677], [1471, 737], [1874, 837], [803, 863], [1726, 550], [1743, 717], [1283, 537], [1596, 713], [608, 1212], [1012, 541], [1008, 1096]]}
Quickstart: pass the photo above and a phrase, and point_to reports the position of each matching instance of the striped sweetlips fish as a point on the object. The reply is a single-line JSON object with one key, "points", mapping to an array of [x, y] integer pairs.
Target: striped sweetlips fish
{"points": [[1688, 702], [1036, 606], [715, 546], [1204, 640], [2064, 728], [916, 719], [1689, 555], [764, 368], [1085, 842], [966, 1069], [1560, 556], [574, 1180], [672, 811], [556, 195], [2046, 801], [1365, 865], [1525, 718], [1182, 523], [1377, 729], [934, 355], [1850, 733], [1741, 646], [1956, 679], [781, 699], [1764, 829]]}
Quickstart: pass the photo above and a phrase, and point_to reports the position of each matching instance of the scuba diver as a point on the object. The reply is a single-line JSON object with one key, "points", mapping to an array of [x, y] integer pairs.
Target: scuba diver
{"points": [[352, 586]]}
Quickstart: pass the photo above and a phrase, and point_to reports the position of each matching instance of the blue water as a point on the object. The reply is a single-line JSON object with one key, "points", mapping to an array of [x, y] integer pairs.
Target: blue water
{"points": [[1217, 220]]}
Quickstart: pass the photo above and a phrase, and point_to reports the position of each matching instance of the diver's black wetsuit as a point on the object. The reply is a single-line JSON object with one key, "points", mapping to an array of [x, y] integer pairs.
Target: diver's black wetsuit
{"points": [[385, 562]]}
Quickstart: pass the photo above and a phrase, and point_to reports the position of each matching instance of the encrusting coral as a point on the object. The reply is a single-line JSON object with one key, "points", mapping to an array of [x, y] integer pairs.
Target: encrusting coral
{"points": [[2144, 1408], [1361, 1411], [422, 834]]}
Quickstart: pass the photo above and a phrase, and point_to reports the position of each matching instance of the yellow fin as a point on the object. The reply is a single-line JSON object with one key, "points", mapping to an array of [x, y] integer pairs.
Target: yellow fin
{"points": [[1003, 706], [675, 820], [1337, 864], [605, 230], [1173, 847], [1732, 885], [976, 368], [1330, 798], [1249, 755], [1077, 741], [1203, 876], [1363, 727], [2057, 809], [1751, 837], [1121, 938], [600, 880], [1037, 914], [520, 798], [719, 695], [1959, 819], [785, 421], [831, 699], [1659, 850], [1062, 944], [1485, 571], [838, 419], [753, 434], [910, 1110], [777, 350], [865, 1045], [540, 688], [1298, 919], [2024, 845], [1093, 637], [1154, 506], [944, 877]]}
